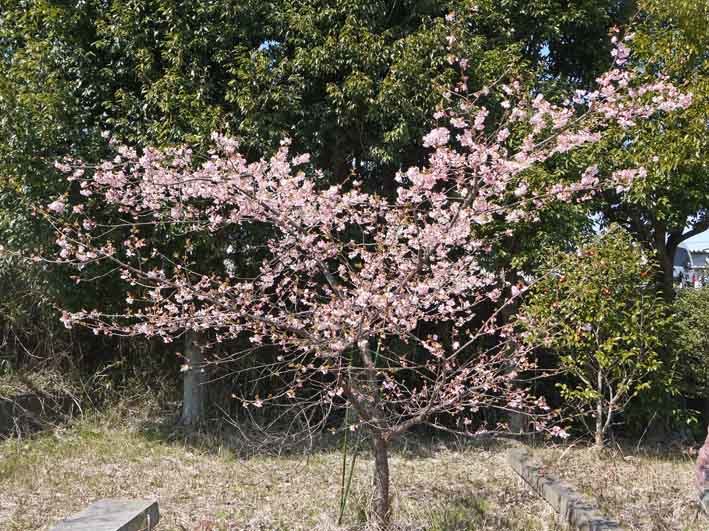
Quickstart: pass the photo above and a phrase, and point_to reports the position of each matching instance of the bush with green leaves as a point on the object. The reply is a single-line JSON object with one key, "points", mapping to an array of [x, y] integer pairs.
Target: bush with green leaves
{"points": [[690, 344], [598, 311]]}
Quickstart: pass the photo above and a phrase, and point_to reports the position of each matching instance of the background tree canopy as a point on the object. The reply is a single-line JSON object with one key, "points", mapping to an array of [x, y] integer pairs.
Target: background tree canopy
{"points": [[349, 81], [671, 204]]}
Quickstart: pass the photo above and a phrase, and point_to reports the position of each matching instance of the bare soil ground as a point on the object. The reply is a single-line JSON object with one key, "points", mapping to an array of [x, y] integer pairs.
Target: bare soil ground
{"points": [[204, 485]]}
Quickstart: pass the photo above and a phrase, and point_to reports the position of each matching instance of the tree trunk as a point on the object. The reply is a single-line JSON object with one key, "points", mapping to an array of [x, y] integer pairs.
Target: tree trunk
{"points": [[193, 393], [599, 426], [665, 255], [599, 412], [518, 422], [382, 509], [668, 288]]}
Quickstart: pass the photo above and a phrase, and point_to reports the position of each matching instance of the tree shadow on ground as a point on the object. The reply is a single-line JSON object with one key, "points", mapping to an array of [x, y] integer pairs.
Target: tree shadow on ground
{"points": [[248, 440]]}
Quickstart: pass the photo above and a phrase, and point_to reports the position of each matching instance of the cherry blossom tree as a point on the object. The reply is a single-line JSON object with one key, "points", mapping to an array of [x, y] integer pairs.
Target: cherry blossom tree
{"points": [[376, 303]]}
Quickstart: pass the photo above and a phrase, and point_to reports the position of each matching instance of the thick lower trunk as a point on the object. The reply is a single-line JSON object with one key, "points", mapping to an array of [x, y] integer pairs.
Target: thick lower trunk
{"points": [[193, 393], [668, 289], [665, 256], [599, 427], [382, 509]]}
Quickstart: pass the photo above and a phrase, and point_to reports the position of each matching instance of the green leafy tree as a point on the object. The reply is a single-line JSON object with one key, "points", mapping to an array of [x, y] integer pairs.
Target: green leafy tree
{"points": [[362, 76], [672, 203], [352, 82], [598, 311], [147, 70], [355, 82]]}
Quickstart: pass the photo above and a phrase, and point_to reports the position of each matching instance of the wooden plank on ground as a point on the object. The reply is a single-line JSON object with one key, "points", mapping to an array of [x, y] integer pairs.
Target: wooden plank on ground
{"points": [[113, 515]]}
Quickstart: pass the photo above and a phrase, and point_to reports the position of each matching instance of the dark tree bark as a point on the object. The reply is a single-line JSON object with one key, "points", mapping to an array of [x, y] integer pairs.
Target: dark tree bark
{"points": [[666, 243], [665, 255], [381, 436]]}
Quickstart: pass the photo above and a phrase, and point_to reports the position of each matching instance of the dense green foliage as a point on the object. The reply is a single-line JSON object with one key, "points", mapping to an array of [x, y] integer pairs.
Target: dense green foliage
{"points": [[691, 344], [351, 82], [27, 319], [598, 311]]}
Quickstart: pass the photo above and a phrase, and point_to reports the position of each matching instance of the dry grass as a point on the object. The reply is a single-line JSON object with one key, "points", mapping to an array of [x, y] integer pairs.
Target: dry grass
{"points": [[646, 489], [206, 487]]}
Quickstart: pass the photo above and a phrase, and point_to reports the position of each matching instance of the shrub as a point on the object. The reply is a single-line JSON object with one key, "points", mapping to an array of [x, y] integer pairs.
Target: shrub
{"points": [[690, 344], [597, 309]]}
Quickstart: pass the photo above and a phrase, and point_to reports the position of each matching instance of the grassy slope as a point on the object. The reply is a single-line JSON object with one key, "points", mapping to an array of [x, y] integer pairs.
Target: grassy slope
{"points": [[207, 487]]}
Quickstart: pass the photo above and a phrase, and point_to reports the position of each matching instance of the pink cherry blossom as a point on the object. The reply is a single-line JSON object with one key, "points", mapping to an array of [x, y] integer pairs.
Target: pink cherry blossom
{"points": [[437, 137], [57, 206]]}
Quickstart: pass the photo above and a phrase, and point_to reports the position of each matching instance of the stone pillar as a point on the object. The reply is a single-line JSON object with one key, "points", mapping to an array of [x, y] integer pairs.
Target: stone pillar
{"points": [[193, 405]]}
